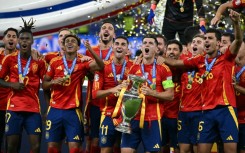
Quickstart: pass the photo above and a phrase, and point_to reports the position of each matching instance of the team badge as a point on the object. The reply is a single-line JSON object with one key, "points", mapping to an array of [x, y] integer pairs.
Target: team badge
{"points": [[34, 67], [103, 140], [96, 77]]}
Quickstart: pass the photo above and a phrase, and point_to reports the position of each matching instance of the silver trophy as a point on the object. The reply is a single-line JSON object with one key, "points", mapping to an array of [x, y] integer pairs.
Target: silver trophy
{"points": [[131, 103]]}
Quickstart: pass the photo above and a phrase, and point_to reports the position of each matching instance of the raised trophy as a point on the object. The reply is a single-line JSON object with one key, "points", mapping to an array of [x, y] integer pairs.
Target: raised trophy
{"points": [[131, 103]]}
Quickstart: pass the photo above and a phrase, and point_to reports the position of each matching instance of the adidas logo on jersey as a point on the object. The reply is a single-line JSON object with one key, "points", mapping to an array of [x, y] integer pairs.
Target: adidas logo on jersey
{"points": [[156, 146], [138, 72], [229, 138], [59, 68], [76, 137], [38, 130], [110, 75]]}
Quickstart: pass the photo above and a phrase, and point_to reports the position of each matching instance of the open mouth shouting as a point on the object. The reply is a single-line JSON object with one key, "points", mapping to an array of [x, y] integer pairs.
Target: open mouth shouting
{"points": [[147, 50], [207, 46], [194, 49]]}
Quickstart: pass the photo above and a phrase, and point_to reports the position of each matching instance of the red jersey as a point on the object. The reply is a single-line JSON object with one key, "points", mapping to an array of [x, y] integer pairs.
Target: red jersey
{"points": [[240, 98], [4, 92], [68, 95], [190, 98], [105, 55], [238, 3], [186, 55], [104, 80], [171, 108], [153, 107], [217, 87], [49, 56], [27, 99]]}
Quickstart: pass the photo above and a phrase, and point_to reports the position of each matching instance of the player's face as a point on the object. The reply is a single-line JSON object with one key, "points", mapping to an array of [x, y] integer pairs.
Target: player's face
{"points": [[25, 41], [197, 46], [107, 33], [71, 45], [10, 40], [225, 41], [61, 36], [120, 48], [211, 43], [173, 51], [149, 48], [161, 46]]}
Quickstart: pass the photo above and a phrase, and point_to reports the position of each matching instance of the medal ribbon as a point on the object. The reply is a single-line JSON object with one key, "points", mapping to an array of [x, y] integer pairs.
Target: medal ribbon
{"points": [[66, 66], [153, 83], [122, 72], [240, 73], [209, 66], [23, 75], [108, 54]]}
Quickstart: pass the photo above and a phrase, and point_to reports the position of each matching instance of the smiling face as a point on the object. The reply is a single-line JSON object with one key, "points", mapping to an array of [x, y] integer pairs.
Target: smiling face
{"points": [[120, 48], [10, 40], [25, 41], [107, 33], [211, 44], [71, 44], [197, 46], [149, 48], [61, 36], [173, 51]]}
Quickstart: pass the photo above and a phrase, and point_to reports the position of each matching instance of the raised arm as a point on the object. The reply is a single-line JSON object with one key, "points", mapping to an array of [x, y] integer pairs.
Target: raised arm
{"points": [[236, 44], [220, 11]]}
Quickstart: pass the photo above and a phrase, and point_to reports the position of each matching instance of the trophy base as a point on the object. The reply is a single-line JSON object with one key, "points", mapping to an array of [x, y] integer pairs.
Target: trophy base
{"points": [[124, 128]]}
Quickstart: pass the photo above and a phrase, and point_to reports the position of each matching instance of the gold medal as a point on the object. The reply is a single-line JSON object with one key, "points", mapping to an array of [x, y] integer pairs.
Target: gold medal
{"points": [[182, 9], [188, 86], [200, 80]]}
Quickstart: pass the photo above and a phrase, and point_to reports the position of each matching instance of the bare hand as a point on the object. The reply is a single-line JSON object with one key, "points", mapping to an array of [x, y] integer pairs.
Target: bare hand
{"points": [[87, 44], [215, 20], [145, 90], [138, 59], [36, 55], [58, 81], [85, 58], [17, 85], [235, 16], [160, 60]]}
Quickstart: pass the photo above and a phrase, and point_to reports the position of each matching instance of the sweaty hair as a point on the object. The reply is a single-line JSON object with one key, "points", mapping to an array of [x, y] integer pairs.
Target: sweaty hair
{"points": [[121, 37], [216, 32], [27, 26], [151, 36], [10, 29], [74, 36], [174, 41], [163, 37], [230, 35]]}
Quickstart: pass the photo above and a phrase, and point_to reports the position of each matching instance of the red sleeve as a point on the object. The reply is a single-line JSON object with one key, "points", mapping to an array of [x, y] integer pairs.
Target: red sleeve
{"points": [[228, 55], [42, 69], [192, 62], [4, 67], [98, 83], [51, 70]]}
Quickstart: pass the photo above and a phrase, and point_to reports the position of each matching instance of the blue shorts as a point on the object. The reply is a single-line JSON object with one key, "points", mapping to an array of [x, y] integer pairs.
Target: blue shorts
{"points": [[108, 134], [188, 127], [219, 122], [169, 132], [241, 143], [64, 122], [16, 121], [95, 116], [150, 136]]}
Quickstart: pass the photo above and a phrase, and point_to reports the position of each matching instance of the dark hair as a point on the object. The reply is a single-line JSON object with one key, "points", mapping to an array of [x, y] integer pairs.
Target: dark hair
{"points": [[162, 36], [74, 36], [10, 29], [27, 26], [174, 41], [108, 23], [190, 32], [64, 29], [230, 35], [151, 36], [216, 32], [121, 37]]}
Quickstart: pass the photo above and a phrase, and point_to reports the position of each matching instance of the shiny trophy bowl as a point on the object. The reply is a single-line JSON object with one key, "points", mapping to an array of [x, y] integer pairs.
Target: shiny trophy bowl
{"points": [[131, 104]]}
